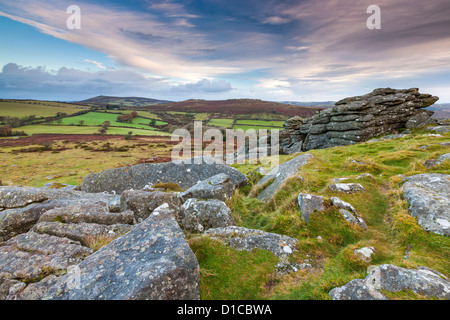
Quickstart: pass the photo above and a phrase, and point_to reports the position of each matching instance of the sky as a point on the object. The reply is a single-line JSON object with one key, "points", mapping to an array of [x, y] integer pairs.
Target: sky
{"points": [[277, 50]]}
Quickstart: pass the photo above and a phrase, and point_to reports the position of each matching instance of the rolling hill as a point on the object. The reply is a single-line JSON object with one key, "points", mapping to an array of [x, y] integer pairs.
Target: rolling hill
{"points": [[234, 107], [441, 110], [122, 101]]}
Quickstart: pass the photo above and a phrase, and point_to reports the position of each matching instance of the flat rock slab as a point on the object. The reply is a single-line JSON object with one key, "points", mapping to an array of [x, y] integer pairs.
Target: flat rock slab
{"points": [[17, 197], [82, 232], [248, 239], [428, 196], [186, 174], [96, 212], [282, 173], [151, 262], [424, 281]]}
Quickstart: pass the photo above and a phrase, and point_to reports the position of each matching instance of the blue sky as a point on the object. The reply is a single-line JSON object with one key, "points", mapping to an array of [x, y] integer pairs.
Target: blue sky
{"points": [[302, 50]]}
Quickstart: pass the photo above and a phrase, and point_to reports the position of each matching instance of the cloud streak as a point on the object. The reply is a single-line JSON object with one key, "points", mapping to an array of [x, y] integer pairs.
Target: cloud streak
{"points": [[294, 48]]}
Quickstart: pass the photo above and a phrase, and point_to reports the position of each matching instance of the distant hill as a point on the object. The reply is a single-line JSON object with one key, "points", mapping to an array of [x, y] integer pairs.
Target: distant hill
{"points": [[123, 101], [441, 110], [323, 104], [235, 107]]}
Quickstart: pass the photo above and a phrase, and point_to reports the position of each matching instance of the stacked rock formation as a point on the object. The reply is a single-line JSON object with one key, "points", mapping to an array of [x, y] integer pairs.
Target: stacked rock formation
{"points": [[357, 119]]}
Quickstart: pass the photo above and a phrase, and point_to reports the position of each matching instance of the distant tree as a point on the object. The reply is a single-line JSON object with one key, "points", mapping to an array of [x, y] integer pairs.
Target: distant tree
{"points": [[81, 122], [129, 135], [152, 123]]}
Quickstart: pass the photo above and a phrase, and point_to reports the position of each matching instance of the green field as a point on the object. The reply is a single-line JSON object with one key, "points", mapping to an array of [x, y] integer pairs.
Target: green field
{"points": [[61, 129], [97, 118], [225, 123], [146, 114], [247, 127], [22, 109]]}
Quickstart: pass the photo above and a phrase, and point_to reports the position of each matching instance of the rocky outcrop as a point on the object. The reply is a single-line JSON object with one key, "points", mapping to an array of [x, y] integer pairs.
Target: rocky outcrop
{"points": [[184, 173], [45, 240], [60, 244], [142, 202], [151, 262], [216, 187], [309, 203], [428, 196], [423, 281], [280, 174], [200, 215], [24, 206], [358, 119], [250, 239], [18, 197]]}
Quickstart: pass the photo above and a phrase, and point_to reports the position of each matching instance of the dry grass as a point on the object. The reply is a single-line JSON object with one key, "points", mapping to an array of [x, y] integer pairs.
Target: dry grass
{"points": [[95, 242]]}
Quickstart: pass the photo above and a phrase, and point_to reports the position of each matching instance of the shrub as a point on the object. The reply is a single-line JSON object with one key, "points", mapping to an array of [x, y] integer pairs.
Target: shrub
{"points": [[5, 131]]}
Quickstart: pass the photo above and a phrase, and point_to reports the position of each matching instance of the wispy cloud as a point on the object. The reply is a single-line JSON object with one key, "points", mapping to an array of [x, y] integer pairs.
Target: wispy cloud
{"points": [[103, 30], [96, 63], [273, 48]]}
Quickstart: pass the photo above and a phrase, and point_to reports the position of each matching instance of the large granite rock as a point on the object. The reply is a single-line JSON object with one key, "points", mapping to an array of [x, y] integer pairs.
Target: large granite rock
{"points": [[24, 206], [18, 197], [248, 239], [29, 258], [20, 220], [151, 262], [52, 234], [428, 196], [217, 187], [82, 232], [97, 212], [280, 174], [200, 215], [185, 173], [142, 203], [360, 118], [424, 281]]}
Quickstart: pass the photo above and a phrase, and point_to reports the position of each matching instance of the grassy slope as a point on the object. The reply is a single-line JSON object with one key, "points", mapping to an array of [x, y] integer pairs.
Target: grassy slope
{"points": [[230, 274], [391, 229], [39, 108], [261, 123], [97, 118], [70, 166], [56, 129]]}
